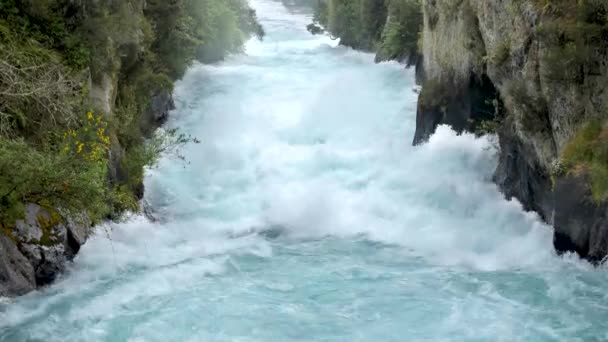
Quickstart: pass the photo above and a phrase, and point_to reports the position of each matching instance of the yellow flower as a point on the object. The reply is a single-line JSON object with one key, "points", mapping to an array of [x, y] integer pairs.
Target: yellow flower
{"points": [[80, 146], [90, 115]]}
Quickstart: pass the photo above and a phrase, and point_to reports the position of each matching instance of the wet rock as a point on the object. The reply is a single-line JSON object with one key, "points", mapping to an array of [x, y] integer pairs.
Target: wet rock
{"points": [[519, 174], [581, 223], [38, 248], [78, 230], [543, 107], [16, 272], [48, 261], [455, 102], [161, 104], [315, 29]]}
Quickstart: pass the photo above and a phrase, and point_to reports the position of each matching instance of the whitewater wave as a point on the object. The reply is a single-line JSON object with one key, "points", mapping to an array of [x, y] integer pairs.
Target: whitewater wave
{"points": [[306, 214]]}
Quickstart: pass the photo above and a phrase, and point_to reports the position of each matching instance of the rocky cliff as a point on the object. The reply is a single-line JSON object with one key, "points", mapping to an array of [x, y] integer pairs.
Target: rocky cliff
{"points": [[534, 72]]}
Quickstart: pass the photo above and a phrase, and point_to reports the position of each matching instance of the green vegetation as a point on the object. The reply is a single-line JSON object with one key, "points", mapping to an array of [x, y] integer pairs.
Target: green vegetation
{"points": [[400, 37], [575, 33], [58, 147], [358, 23], [390, 27], [587, 152]]}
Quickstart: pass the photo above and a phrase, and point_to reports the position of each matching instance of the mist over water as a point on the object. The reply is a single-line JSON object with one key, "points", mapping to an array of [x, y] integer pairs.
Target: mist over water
{"points": [[305, 215]]}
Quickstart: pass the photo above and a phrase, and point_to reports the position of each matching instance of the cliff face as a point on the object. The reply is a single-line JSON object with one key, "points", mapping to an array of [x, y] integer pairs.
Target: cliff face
{"points": [[536, 73]]}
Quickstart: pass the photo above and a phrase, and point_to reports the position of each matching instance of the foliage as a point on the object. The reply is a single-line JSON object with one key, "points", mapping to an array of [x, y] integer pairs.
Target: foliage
{"points": [[320, 12], [90, 142], [37, 92], [391, 27], [357, 23], [198, 29], [52, 50], [72, 177], [575, 34], [400, 36], [587, 152]]}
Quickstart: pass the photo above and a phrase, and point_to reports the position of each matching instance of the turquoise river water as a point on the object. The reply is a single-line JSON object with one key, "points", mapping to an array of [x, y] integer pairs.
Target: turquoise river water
{"points": [[306, 215]]}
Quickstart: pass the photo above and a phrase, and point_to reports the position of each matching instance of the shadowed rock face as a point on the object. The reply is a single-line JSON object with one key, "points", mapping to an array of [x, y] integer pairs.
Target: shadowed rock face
{"points": [[543, 101], [580, 225], [461, 105], [16, 272]]}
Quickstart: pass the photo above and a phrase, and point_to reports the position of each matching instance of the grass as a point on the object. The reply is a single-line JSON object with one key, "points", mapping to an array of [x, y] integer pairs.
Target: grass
{"points": [[587, 153]]}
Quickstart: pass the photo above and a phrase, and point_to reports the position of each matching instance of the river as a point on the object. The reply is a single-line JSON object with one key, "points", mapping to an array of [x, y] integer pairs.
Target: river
{"points": [[306, 215]]}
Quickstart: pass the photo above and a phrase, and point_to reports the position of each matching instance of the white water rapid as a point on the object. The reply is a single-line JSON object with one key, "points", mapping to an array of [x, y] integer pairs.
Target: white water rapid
{"points": [[305, 215]]}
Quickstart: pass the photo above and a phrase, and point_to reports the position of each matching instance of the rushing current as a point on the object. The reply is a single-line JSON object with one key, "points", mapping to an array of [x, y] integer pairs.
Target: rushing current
{"points": [[305, 215]]}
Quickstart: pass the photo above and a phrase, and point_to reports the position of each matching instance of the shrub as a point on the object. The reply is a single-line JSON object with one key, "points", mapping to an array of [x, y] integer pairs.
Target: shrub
{"points": [[400, 35], [52, 155], [37, 92], [575, 34], [73, 178]]}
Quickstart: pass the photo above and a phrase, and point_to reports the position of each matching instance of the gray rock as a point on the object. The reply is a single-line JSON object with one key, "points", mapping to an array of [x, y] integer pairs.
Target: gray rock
{"points": [[499, 41], [580, 222], [157, 113], [78, 231], [47, 261], [79, 228], [102, 94], [29, 229], [16, 272], [458, 103], [43, 244]]}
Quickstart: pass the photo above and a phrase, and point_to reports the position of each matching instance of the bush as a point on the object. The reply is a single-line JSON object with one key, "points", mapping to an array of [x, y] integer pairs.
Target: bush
{"points": [[400, 36], [37, 92], [362, 24], [575, 34], [51, 154], [66, 179]]}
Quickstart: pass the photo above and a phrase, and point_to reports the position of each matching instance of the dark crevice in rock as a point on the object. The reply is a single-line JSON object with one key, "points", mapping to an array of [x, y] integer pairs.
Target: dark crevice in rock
{"points": [[459, 104], [519, 175], [73, 246]]}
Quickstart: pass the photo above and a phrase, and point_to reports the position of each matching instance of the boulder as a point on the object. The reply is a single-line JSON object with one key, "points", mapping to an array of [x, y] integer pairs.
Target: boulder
{"points": [[36, 250]]}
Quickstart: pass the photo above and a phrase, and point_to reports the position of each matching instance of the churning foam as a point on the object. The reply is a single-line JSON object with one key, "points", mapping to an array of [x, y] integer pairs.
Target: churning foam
{"points": [[305, 172]]}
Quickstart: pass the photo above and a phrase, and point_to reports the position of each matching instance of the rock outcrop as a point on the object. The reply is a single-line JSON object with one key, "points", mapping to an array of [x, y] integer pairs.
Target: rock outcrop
{"points": [[37, 249], [538, 73]]}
